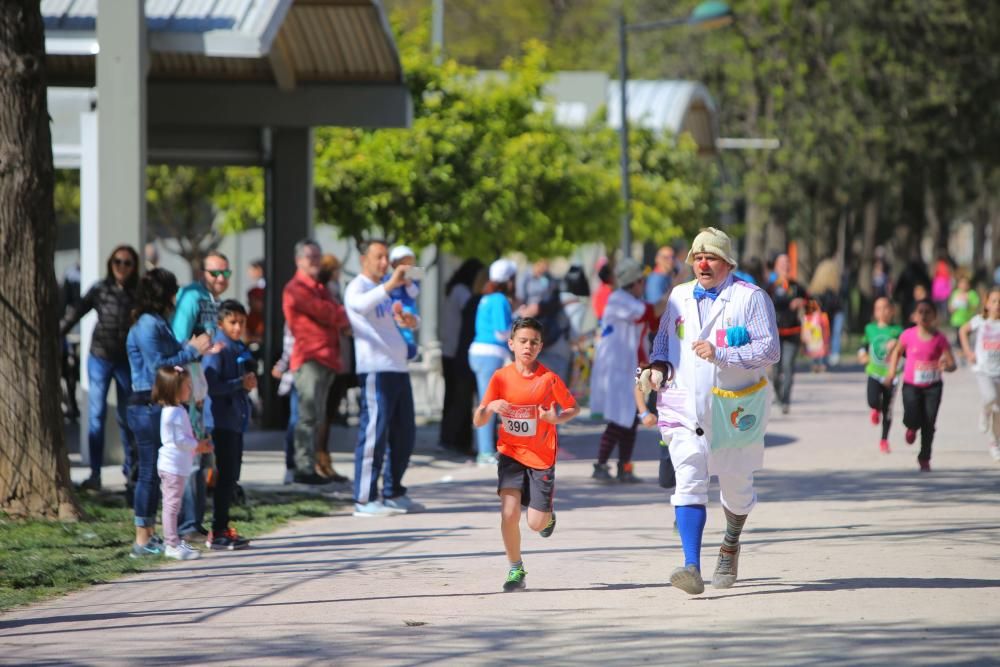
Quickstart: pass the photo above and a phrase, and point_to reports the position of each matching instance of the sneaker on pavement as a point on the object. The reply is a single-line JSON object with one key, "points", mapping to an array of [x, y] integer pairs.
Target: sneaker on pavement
{"points": [[515, 580], [404, 505], [911, 436], [875, 416], [602, 473], [484, 460], [626, 474], [311, 478], [375, 509], [229, 540], [182, 551], [995, 452], [925, 466], [289, 477], [688, 579], [883, 446], [550, 528], [148, 550], [726, 568]]}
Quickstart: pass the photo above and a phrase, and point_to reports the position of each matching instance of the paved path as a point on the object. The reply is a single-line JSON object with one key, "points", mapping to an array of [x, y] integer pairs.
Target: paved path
{"points": [[852, 558]]}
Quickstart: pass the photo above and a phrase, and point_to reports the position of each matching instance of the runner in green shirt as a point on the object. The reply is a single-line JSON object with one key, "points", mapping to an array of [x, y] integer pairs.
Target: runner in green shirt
{"points": [[880, 337]]}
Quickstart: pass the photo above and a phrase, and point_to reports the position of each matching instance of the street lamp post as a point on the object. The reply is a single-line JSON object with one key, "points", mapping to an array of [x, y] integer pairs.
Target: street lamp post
{"points": [[707, 15]]}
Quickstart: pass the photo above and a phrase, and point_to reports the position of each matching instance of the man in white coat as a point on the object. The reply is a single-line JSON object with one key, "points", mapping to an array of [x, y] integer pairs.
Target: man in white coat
{"points": [[625, 325], [714, 408]]}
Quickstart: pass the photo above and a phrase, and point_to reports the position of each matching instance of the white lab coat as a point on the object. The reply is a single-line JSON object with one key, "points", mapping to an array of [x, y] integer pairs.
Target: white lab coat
{"points": [[612, 379], [686, 405]]}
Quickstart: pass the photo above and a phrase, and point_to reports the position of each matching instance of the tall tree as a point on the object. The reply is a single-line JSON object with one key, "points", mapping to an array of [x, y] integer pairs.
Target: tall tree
{"points": [[34, 466]]}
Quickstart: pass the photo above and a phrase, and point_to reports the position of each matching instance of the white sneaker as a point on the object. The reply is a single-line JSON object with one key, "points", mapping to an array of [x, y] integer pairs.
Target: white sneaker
{"points": [[375, 508], [289, 477], [404, 504], [985, 417], [995, 452], [182, 551]]}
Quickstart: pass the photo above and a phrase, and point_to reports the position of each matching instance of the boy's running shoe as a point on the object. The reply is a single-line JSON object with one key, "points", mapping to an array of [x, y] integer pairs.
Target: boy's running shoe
{"points": [[550, 528], [911, 436], [883, 445], [875, 416], [148, 550], [182, 551], [515, 580], [229, 540]]}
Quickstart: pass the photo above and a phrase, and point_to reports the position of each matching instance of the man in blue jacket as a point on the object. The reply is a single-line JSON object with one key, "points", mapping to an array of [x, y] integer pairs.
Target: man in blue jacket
{"points": [[197, 312]]}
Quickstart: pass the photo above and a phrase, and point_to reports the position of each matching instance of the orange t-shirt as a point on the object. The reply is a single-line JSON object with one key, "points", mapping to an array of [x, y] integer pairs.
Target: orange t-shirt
{"points": [[522, 435]]}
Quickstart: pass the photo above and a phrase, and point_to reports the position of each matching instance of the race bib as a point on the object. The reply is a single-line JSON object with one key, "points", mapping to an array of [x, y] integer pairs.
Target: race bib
{"points": [[521, 421], [926, 372]]}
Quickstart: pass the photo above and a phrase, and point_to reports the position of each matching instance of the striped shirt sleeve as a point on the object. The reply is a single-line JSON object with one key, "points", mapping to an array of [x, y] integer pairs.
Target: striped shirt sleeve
{"points": [[764, 348]]}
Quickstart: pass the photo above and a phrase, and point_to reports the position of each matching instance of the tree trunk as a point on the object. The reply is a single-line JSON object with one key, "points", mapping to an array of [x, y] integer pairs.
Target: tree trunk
{"points": [[756, 222], [868, 235], [34, 467]]}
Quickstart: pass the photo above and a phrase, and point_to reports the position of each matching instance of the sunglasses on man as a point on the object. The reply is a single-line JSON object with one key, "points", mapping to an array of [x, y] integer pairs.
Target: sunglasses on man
{"points": [[215, 273]]}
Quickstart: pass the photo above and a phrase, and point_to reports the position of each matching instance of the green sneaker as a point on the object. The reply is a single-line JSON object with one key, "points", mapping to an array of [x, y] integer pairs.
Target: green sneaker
{"points": [[515, 580], [548, 530]]}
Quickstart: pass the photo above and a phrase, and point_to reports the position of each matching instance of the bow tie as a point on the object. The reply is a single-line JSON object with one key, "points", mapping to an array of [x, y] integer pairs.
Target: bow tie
{"points": [[701, 293]]}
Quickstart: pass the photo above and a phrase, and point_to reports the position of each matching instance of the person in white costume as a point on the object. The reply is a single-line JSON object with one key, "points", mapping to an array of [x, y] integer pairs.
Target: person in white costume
{"points": [[624, 330], [713, 410]]}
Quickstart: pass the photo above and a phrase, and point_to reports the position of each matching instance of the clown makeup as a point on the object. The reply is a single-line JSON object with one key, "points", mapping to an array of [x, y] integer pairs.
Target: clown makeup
{"points": [[710, 270]]}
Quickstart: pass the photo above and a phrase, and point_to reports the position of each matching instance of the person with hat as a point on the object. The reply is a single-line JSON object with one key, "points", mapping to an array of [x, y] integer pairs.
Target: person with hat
{"points": [[407, 293], [627, 319], [713, 407], [488, 352]]}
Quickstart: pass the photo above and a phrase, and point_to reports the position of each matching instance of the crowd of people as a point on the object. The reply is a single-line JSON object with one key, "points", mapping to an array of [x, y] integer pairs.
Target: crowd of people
{"points": [[699, 340]]}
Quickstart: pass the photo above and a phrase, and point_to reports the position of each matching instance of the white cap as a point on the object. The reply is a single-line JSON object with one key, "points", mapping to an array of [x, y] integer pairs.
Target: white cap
{"points": [[400, 252], [714, 242], [502, 270]]}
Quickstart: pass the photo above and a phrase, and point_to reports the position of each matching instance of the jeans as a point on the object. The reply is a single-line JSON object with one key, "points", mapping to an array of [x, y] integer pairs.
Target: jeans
{"points": [[228, 451], [785, 370], [312, 382], [484, 366], [386, 435], [100, 372], [293, 419], [195, 490], [836, 329], [144, 421]]}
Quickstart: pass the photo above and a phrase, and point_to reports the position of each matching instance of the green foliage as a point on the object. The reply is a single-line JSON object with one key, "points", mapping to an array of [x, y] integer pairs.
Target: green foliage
{"points": [[486, 170], [39, 559]]}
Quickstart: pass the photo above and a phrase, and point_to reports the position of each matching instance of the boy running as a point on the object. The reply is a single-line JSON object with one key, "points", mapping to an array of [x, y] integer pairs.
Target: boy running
{"points": [[524, 394], [880, 337]]}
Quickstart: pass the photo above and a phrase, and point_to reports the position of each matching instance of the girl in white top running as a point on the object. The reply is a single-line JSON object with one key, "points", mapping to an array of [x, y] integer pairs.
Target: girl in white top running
{"points": [[985, 361], [176, 457]]}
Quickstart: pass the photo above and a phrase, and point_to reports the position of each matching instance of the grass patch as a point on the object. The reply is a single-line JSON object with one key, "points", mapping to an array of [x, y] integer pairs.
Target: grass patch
{"points": [[41, 559]]}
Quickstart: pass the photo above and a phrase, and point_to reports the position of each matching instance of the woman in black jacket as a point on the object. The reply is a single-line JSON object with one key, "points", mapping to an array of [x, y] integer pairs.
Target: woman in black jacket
{"points": [[113, 298]]}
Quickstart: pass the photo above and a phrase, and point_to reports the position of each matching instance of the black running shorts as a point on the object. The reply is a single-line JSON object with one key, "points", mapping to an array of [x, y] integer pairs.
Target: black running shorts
{"points": [[537, 487]]}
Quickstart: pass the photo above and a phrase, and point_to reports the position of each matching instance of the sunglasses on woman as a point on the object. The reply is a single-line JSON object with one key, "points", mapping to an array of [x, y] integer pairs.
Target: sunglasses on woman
{"points": [[122, 262]]}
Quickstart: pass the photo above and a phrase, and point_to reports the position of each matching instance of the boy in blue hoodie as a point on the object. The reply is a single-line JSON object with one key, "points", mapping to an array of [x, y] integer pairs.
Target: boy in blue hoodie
{"points": [[229, 377]]}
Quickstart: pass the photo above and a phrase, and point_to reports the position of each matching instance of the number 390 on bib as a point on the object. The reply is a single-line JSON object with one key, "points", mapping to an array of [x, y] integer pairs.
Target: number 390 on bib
{"points": [[521, 421]]}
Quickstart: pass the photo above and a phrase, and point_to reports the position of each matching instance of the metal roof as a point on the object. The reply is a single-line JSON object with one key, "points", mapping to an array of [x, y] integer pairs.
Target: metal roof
{"points": [[677, 106], [280, 41]]}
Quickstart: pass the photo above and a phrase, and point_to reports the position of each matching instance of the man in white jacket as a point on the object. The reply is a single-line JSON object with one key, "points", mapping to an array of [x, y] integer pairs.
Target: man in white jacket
{"points": [[387, 416], [714, 409]]}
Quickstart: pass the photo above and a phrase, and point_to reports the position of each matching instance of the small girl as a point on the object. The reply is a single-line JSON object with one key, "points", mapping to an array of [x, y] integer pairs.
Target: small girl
{"points": [[176, 457], [985, 362], [927, 354]]}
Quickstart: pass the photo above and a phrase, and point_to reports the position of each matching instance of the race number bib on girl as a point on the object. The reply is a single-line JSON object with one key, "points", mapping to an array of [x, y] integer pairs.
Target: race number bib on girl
{"points": [[926, 372], [522, 420]]}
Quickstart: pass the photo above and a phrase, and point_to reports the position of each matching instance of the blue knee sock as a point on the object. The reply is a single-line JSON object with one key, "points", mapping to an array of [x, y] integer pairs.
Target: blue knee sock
{"points": [[691, 526]]}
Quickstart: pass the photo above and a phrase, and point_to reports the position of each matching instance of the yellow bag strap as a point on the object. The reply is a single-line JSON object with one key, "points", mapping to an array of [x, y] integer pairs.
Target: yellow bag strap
{"points": [[726, 393]]}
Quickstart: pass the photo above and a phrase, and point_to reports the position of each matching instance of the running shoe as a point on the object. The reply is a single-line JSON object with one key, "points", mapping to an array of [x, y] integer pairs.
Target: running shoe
{"points": [[727, 567], [550, 528], [985, 417], [688, 579], [911, 436], [182, 551], [229, 540], [875, 416], [515, 580], [626, 474], [925, 466], [883, 445], [602, 473], [147, 550], [995, 452]]}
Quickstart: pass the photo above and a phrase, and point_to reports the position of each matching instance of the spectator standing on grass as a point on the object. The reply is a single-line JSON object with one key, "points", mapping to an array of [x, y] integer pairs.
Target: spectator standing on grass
{"points": [[197, 310], [315, 321], [387, 426], [113, 298]]}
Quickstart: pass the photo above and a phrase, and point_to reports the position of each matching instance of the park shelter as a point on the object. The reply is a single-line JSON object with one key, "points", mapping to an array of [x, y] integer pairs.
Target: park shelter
{"points": [[211, 82]]}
